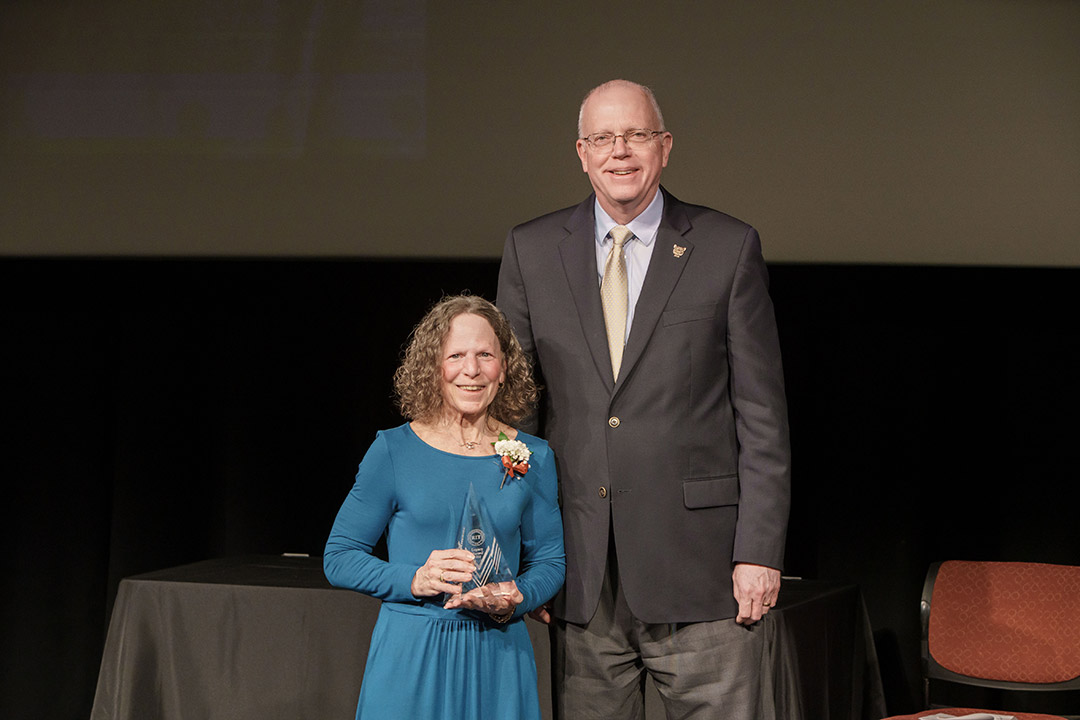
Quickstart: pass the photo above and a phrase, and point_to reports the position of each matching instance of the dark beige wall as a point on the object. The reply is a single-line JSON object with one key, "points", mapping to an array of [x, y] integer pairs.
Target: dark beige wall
{"points": [[940, 132]]}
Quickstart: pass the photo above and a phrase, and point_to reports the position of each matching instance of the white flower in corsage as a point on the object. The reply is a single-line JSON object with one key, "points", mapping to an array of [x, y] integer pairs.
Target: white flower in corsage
{"points": [[515, 457]]}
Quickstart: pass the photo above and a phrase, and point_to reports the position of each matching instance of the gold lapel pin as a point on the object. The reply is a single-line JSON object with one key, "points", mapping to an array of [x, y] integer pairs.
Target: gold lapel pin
{"points": [[677, 250]]}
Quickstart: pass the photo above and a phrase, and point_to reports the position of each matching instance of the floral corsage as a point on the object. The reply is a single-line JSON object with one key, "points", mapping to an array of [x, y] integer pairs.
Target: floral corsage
{"points": [[515, 457]]}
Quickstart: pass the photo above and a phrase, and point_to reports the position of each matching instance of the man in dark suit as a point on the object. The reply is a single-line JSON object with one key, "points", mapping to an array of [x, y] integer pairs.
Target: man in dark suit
{"points": [[652, 329]]}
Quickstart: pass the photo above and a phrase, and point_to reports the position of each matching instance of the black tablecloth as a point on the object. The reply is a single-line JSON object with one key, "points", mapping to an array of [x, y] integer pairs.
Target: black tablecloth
{"points": [[267, 637]]}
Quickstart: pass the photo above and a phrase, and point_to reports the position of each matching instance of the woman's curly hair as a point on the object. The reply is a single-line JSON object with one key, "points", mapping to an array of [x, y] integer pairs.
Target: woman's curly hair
{"points": [[418, 380]]}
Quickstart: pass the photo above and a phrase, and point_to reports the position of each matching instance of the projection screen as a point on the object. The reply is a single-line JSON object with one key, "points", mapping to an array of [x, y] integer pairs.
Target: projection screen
{"points": [[939, 132]]}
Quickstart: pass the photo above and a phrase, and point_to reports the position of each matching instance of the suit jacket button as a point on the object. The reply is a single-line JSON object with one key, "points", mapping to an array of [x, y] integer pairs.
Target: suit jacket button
{"points": [[603, 492], [613, 421]]}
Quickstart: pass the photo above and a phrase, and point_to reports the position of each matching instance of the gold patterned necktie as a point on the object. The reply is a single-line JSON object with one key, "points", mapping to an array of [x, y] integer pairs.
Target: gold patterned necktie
{"points": [[613, 293]]}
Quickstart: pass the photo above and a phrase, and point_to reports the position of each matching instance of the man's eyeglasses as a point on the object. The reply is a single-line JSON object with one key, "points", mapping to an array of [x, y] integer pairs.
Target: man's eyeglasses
{"points": [[634, 136]]}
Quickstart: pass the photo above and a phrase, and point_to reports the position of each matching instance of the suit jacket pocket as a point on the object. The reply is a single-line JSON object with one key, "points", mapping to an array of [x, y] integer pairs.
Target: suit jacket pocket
{"points": [[711, 492], [689, 314]]}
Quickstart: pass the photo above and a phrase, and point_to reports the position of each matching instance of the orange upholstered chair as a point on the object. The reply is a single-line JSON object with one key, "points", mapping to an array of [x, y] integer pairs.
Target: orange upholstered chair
{"points": [[961, 712], [1004, 625]]}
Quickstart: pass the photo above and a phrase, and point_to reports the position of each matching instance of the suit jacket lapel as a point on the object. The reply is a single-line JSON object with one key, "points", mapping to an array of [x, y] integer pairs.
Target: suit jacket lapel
{"points": [[660, 280], [578, 252]]}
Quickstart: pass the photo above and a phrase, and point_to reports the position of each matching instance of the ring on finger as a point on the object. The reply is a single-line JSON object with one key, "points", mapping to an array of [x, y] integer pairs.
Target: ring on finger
{"points": [[442, 577]]}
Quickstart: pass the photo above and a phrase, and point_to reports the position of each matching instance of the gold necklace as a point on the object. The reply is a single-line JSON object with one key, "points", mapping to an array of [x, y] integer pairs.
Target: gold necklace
{"points": [[472, 444]]}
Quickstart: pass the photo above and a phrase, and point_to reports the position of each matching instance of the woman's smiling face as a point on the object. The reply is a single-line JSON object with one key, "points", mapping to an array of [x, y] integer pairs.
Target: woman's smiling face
{"points": [[472, 366]]}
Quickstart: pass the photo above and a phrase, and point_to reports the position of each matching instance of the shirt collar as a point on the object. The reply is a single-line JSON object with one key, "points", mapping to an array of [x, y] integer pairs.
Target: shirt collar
{"points": [[644, 226]]}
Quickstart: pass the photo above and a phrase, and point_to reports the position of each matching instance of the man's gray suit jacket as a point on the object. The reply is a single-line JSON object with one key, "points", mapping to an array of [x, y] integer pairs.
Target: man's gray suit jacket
{"points": [[687, 454]]}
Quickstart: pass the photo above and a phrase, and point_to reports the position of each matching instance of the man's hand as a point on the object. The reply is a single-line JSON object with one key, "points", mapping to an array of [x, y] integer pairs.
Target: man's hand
{"points": [[542, 614], [756, 589]]}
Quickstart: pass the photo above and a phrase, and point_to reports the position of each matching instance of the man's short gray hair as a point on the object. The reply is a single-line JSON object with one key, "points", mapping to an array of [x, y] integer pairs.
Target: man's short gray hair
{"points": [[627, 83]]}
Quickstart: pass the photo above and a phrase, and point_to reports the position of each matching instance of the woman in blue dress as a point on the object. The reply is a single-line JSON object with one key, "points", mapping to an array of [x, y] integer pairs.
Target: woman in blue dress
{"points": [[436, 651]]}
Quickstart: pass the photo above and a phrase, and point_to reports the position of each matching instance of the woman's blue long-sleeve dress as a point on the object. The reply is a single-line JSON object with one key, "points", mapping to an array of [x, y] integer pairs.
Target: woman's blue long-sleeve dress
{"points": [[425, 661]]}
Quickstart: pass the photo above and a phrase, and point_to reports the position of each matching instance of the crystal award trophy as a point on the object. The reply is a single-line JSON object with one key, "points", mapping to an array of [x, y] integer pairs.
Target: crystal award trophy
{"points": [[476, 533]]}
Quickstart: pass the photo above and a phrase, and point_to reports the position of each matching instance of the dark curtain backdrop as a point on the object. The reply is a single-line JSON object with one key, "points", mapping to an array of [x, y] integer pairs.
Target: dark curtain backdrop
{"points": [[159, 412]]}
